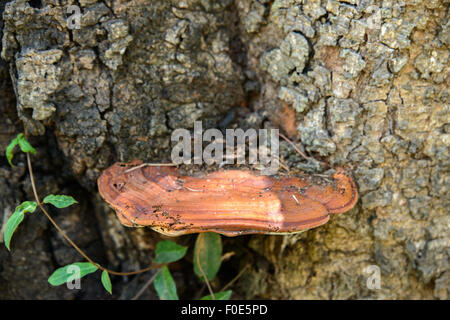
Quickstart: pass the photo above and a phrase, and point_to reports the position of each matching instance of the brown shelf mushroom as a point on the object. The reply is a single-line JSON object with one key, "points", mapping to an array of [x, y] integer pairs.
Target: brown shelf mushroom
{"points": [[230, 202]]}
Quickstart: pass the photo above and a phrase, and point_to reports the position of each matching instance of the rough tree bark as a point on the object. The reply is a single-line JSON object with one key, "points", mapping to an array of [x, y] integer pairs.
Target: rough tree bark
{"points": [[359, 83]]}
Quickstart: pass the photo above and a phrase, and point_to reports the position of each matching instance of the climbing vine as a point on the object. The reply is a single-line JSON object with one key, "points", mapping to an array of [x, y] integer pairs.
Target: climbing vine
{"points": [[207, 250]]}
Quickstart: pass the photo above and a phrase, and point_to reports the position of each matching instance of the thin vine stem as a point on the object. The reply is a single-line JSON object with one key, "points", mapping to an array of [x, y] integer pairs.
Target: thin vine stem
{"points": [[145, 287], [235, 278], [297, 149], [73, 244], [293, 145], [211, 292]]}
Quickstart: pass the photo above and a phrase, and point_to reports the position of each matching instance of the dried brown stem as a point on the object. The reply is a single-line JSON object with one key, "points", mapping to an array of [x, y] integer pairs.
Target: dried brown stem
{"points": [[293, 145], [297, 149], [151, 165]]}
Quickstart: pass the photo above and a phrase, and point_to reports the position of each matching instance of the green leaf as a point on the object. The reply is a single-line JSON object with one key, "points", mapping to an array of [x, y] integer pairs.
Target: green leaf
{"points": [[208, 250], [59, 201], [224, 295], [11, 226], [71, 272], [106, 281], [164, 285], [15, 219], [10, 148], [27, 206], [25, 146], [168, 251]]}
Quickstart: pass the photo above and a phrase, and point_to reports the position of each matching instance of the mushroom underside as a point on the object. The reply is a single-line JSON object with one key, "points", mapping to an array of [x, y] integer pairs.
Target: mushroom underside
{"points": [[229, 202]]}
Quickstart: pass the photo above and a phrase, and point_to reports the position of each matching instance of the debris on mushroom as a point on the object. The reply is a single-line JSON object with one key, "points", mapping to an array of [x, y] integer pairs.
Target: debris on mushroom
{"points": [[229, 202]]}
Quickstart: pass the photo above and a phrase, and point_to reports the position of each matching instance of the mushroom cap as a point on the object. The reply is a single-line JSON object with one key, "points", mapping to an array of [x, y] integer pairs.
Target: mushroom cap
{"points": [[230, 202]]}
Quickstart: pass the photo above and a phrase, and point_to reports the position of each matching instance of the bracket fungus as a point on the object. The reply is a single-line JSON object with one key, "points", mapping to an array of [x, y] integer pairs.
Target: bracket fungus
{"points": [[229, 202]]}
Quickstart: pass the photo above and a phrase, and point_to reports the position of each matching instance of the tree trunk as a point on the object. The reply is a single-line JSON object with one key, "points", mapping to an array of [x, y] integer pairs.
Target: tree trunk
{"points": [[361, 84]]}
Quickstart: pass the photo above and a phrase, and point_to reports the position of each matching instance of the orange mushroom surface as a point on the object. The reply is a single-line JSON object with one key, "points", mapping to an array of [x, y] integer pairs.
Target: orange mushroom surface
{"points": [[230, 202]]}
